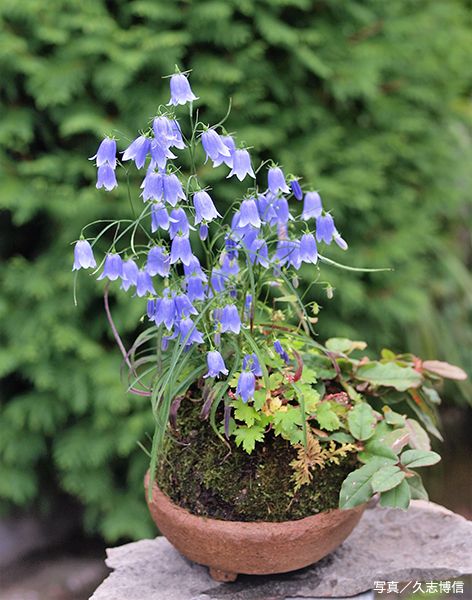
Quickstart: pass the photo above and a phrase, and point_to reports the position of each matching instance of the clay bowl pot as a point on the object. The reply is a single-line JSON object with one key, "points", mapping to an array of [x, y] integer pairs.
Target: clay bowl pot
{"points": [[254, 548]]}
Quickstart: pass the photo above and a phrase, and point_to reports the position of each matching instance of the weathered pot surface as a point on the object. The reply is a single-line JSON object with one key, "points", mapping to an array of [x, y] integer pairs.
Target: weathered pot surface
{"points": [[254, 548]]}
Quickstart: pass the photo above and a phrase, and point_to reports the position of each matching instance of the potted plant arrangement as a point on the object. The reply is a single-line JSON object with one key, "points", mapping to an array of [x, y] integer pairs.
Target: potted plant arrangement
{"points": [[267, 445]]}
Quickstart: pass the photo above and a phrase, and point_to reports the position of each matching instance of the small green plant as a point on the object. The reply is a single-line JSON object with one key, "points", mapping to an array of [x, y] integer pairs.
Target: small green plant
{"points": [[220, 287]]}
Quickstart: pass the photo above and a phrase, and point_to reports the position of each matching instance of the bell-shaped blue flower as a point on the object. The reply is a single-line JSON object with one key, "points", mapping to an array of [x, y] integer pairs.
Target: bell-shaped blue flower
{"points": [[282, 210], [258, 252], [113, 267], [194, 268], [281, 352], [151, 309], [160, 154], [229, 266], [204, 208], [144, 284], [189, 334], [312, 206], [183, 306], [341, 242], [130, 274], [159, 217], [246, 386], [180, 90], [173, 191], [276, 181], [106, 153], [230, 321], [83, 256], [165, 311], [152, 186], [167, 132], [228, 141], [265, 206], [195, 288], [158, 262], [178, 223], [241, 165], [251, 363], [248, 214], [308, 249], [138, 151], [214, 146], [288, 252], [181, 250], [203, 232], [106, 178], [325, 228], [216, 365], [296, 189]]}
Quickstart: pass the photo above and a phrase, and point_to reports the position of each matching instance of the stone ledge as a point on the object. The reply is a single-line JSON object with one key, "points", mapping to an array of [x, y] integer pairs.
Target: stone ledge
{"points": [[427, 542]]}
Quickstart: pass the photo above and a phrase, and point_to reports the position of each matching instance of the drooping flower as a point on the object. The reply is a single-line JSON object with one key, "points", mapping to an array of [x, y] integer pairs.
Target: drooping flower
{"points": [[214, 146], [312, 206], [138, 151], [276, 181], [281, 211], [113, 267], [195, 288], [83, 256], [216, 365], [265, 206], [106, 153], [230, 321], [246, 386], [248, 214], [151, 309], [229, 266], [160, 154], [106, 178], [258, 252], [180, 90], [144, 284], [251, 363], [173, 191], [159, 217], [281, 352], [167, 132], [130, 274], [288, 252], [341, 242], [241, 165], [152, 186], [296, 189], [165, 311], [228, 141], [194, 268], [218, 281], [183, 306], [204, 208], [325, 228], [189, 333], [181, 250], [203, 232], [158, 262], [178, 223], [308, 249]]}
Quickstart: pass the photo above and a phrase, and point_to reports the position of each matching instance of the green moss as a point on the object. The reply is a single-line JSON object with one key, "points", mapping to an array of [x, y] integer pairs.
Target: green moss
{"points": [[209, 478]]}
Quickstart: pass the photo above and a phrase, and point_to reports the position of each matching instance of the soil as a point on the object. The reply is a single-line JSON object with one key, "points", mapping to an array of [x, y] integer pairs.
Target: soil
{"points": [[210, 478]]}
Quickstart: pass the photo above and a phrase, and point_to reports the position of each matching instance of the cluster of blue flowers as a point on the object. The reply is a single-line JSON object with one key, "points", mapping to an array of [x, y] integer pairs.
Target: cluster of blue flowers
{"points": [[262, 233]]}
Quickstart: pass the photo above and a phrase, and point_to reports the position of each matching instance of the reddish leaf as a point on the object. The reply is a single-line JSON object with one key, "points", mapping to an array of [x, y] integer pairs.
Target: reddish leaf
{"points": [[444, 369]]}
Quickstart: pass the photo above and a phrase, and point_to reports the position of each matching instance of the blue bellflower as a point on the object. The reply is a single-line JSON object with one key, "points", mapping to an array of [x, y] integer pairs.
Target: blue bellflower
{"points": [[214, 146], [83, 256], [106, 153], [159, 217], [178, 223], [138, 151], [341, 242], [195, 288], [106, 178], [241, 165], [248, 214], [216, 365], [281, 352], [204, 208], [308, 249], [288, 252], [246, 386], [312, 207], [189, 333], [203, 232], [180, 90], [172, 187], [113, 267], [183, 306], [167, 132], [181, 250], [144, 284], [258, 252], [276, 181], [230, 320], [251, 363], [158, 262], [228, 141], [160, 154], [165, 311], [130, 274], [194, 268], [152, 186], [296, 189], [325, 228]]}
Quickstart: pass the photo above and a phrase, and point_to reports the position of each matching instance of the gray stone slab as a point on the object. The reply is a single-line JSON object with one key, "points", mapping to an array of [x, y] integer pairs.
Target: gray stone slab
{"points": [[427, 542]]}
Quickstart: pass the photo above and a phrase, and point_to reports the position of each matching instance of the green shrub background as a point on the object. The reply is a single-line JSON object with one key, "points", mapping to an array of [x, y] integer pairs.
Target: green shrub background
{"points": [[368, 100]]}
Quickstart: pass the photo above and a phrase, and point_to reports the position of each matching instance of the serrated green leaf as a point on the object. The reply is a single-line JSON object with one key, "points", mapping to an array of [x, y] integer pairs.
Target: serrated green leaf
{"points": [[361, 421], [245, 412], [248, 436], [326, 416], [419, 458], [387, 478], [390, 375], [398, 497]]}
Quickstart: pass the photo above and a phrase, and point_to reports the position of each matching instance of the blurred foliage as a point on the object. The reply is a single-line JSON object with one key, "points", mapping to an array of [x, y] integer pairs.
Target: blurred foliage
{"points": [[365, 99]]}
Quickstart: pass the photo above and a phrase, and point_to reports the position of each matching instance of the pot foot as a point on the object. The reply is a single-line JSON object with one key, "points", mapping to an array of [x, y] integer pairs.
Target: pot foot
{"points": [[223, 576]]}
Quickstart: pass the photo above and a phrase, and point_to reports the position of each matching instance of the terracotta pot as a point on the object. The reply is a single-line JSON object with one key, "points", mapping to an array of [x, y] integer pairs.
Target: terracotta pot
{"points": [[255, 548]]}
